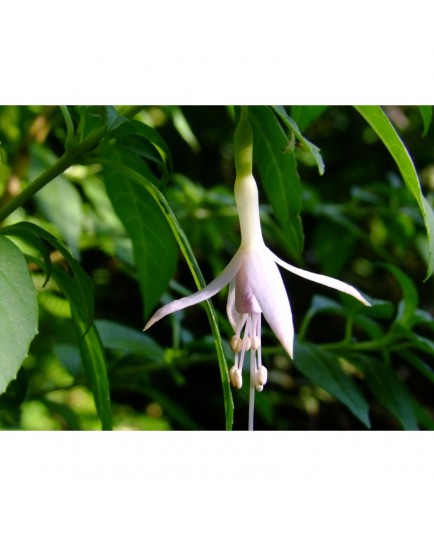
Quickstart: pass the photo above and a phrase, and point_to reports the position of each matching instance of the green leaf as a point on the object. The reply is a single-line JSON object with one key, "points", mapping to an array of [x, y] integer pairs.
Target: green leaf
{"points": [[426, 113], [323, 369], [324, 304], [305, 144], [182, 126], [78, 289], [195, 271], [91, 348], [420, 342], [278, 172], [59, 201], [92, 118], [154, 246], [128, 341], [18, 311], [408, 305], [423, 416], [145, 141], [417, 362], [304, 115], [30, 239], [83, 283], [360, 316], [379, 122], [113, 118], [389, 391]]}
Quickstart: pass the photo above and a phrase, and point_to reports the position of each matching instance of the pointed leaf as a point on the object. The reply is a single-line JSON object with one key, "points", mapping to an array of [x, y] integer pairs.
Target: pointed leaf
{"points": [[304, 115], [91, 348], [195, 270], [304, 143], [83, 283], [323, 369], [78, 289], [390, 392], [408, 305], [18, 311], [417, 362], [278, 172], [144, 140], [183, 127], [128, 341], [379, 122], [154, 246], [34, 242], [426, 113]]}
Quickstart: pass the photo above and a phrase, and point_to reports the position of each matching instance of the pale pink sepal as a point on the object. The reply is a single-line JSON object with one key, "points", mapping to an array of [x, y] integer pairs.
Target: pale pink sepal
{"points": [[207, 292], [322, 279], [269, 290]]}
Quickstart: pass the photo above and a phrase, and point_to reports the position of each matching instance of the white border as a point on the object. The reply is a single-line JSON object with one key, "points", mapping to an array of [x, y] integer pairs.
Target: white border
{"points": [[342, 483], [229, 52]]}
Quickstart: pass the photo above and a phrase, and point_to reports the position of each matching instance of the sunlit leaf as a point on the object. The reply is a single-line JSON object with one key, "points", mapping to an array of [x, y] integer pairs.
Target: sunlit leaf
{"points": [[59, 201], [78, 289], [83, 283], [182, 126], [18, 311]]}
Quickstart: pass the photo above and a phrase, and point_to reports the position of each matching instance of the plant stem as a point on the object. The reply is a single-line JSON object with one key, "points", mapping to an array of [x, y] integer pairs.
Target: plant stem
{"points": [[70, 157], [69, 125], [366, 346]]}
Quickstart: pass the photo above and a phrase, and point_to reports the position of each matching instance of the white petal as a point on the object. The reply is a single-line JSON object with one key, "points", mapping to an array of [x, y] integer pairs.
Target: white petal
{"points": [[207, 292], [232, 314], [322, 279], [267, 285], [245, 301]]}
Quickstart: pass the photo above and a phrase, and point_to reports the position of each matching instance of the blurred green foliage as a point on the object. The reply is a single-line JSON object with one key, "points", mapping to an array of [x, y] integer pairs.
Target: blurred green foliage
{"points": [[102, 255]]}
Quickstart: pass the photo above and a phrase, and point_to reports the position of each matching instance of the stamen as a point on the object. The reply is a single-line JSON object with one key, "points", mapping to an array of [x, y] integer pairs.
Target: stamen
{"points": [[250, 339], [236, 344], [235, 377], [256, 342], [261, 376]]}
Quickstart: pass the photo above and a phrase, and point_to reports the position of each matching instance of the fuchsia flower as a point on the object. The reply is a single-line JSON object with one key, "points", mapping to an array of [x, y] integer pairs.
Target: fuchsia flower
{"points": [[255, 284]]}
